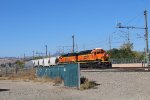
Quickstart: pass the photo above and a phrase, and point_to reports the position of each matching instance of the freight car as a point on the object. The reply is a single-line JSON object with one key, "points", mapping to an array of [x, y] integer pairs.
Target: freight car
{"points": [[52, 61], [96, 58]]}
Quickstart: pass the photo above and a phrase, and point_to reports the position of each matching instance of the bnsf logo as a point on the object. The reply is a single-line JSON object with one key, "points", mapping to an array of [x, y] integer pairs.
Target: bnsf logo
{"points": [[85, 56]]}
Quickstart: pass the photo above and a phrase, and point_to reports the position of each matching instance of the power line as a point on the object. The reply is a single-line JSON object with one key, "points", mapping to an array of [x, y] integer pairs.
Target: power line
{"points": [[139, 15], [63, 48]]}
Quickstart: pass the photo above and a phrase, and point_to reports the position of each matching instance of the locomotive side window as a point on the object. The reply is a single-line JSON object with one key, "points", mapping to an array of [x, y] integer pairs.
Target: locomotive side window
{"points": [[102, 51], [98, 52]]}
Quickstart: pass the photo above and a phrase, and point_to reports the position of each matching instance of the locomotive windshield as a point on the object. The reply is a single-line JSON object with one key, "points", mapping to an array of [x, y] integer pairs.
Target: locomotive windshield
{"points": [[100, 51]]}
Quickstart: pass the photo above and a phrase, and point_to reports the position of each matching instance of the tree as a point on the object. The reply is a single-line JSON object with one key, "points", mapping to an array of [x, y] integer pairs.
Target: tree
{"points": [[125, 51], [127, 46], [20, 63]]}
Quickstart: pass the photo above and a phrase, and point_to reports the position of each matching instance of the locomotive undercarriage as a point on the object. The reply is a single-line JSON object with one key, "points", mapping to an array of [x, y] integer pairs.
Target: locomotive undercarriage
{"points": [[96, 65], [92, 65]]}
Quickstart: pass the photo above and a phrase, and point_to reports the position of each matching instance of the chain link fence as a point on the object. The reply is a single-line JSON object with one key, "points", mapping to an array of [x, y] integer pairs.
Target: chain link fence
{"points": [[126, 61], [7, 70]]}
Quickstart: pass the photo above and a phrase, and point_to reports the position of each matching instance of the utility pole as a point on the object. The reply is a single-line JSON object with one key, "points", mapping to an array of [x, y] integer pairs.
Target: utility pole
{"points": [[46, 50], [24, 56], [76, 47], [73, 44], [33, 54], [109, 43], [146, 38], [128, 36], [146, 32], [146, 35]]}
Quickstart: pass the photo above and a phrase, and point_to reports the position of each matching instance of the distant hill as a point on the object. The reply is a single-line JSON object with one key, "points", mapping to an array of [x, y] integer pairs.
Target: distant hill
{"points": [[8, 60]]}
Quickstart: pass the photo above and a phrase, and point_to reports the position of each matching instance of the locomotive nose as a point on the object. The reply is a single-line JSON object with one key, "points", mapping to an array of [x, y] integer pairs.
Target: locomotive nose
{"points": [[105, 57]]}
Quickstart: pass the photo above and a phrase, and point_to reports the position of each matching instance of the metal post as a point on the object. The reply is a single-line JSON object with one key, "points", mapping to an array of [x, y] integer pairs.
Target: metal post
{"points": [[33, 54], [146, 37], [46, 50], [128, 36], [73, 43], [109, 43], [24, 56], [6, 69], [79, 81]]}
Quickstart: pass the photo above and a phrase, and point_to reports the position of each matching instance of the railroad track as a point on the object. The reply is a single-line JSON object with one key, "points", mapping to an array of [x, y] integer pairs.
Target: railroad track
{"points": [[118, 69]]}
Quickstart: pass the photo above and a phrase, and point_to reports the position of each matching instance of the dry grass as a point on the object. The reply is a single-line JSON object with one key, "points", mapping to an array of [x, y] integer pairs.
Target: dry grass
{"points": [[57, 80], [3, 78], [30, 75], [26, 76], [43, 79], [86, 84]]}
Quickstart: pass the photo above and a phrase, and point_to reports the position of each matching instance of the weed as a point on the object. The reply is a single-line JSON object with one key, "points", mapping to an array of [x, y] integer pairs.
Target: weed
{"points": [[86, 84], [57, 81]]}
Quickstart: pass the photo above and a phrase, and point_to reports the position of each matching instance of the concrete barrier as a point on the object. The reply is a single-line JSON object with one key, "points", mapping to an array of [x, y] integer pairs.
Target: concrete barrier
{"points": [[128, 65]]}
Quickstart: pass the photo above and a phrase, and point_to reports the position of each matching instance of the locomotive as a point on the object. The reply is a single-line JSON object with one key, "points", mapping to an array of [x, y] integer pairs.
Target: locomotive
{"points": [[96, 58]]}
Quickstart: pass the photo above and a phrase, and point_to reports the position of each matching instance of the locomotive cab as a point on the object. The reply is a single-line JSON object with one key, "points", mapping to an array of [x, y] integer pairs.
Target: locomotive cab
{"points": [[100, 54]]}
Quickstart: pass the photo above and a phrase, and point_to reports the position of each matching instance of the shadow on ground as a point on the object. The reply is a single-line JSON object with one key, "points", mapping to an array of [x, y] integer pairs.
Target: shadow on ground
{"points": [[2, 90]]}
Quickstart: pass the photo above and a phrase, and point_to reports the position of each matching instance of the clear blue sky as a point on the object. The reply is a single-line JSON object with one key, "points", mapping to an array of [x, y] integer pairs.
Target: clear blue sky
{"points": [[27, 25]]}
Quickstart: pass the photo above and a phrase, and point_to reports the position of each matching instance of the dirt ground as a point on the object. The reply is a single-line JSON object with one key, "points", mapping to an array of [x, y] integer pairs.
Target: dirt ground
{"points": [[112, 86]]}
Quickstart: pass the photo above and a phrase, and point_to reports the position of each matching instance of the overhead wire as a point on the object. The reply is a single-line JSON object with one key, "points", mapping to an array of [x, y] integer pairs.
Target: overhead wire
{"points": [[130, 21], [114, 36], [139, 15]]}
